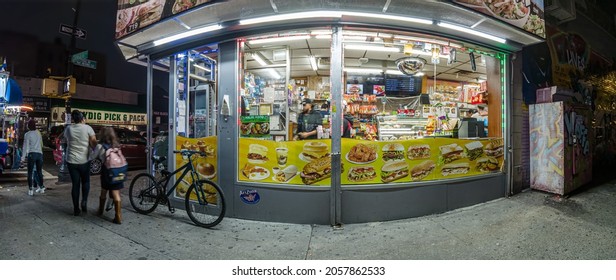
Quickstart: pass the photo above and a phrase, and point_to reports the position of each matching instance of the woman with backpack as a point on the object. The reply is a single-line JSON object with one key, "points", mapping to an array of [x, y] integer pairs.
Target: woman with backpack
{"points": [[109, 140]]}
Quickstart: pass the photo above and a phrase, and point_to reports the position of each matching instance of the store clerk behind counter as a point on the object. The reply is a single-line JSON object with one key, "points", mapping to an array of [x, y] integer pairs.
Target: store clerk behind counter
{"points": [[307, 122]]}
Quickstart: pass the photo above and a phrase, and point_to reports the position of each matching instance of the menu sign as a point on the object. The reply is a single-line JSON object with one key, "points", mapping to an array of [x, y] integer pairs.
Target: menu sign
{"points": [[133, 15], [524, 14], [38, 104]]}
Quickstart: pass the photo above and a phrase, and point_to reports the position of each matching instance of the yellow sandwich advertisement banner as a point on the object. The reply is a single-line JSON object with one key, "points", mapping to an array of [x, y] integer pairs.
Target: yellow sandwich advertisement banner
{"points": [[368, 162], [206, 165]]}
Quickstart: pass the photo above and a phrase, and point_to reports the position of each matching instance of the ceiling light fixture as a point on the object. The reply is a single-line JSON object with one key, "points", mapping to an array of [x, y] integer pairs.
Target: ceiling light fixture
{"points": [[419, 74], [186, 34], [371, 48], [394, 72], [471, 31], [323, 37], [313, 63], [259, 59], [363, 70], [278, 39]]}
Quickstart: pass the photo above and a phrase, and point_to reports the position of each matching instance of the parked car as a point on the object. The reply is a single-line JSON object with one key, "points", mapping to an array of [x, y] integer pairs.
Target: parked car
{"points": [[133, 147], [53, 134]]}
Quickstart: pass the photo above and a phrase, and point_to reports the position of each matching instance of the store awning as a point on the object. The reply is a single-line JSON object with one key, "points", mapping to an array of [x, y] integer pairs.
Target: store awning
{"points": [[228, 14], [13, 94]]}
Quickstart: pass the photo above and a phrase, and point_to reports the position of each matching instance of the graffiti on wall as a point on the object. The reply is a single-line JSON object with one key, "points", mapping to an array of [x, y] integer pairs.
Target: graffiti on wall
{"points": [[547, 147], [577, 132]]}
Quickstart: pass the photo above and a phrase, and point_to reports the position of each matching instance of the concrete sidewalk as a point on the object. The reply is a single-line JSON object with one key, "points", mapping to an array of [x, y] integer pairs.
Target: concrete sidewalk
{"points": [[530, 225]]}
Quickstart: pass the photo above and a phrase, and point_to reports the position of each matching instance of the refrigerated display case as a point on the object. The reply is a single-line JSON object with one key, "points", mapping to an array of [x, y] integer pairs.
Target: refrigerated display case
{"points": [[399, 127]]}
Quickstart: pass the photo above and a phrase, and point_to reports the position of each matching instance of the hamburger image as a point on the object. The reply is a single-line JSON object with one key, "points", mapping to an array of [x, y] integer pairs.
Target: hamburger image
{"points": [[315, 150], [474, 150], [392, 171], [450, 153], [359, 174], [422, 170], [494, 148], [206, 169], [317, 170], [393, 152], [455, 168], [487, 164], [418, 151], [257, 153]]}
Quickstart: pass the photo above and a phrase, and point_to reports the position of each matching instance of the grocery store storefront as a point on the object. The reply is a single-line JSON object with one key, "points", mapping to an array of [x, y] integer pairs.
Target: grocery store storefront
{"points": [[423, 98]]}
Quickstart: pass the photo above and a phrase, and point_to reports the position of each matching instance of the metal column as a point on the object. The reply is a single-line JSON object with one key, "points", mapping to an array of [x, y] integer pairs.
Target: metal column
{"points": [[149, 93], [336, 80], [228, 86], [173, 114]]}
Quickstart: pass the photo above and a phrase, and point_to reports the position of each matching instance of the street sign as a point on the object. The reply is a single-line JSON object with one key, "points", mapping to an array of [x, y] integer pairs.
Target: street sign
{"points": [[79, 56], [68, 30], [86, 63]]}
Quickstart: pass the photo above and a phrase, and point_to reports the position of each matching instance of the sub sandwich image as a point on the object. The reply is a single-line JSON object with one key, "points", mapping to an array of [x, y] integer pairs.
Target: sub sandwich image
{"points": [[315, 150], [418, 151], [474, 150], [487, 164], [422, 170], [257, 153], [361, 173], [392, 171], [450, 153], [318, 170], [455, 168], [494, 148], [393, 152]]}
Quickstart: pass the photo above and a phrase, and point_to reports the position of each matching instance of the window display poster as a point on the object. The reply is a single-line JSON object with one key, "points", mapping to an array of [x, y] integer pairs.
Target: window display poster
{"points": [[354, 88], [206, 166], [368, 162], [255, 126], [133, 15]]}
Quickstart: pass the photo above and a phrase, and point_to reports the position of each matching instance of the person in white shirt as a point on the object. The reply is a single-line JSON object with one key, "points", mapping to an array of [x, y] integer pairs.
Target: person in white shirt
{"points": [[80, 139], [33, 152]]}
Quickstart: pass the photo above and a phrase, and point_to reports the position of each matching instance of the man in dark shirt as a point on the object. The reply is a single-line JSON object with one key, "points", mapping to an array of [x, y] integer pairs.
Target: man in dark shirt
{"points": [[307, 122]]}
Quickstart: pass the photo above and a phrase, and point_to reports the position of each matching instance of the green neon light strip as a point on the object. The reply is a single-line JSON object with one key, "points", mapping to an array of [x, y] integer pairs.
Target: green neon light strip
{"points": [[503, 59]]}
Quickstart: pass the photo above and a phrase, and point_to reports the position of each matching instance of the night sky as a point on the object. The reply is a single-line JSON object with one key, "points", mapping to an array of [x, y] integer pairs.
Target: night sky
{"points": [[42, 18]]}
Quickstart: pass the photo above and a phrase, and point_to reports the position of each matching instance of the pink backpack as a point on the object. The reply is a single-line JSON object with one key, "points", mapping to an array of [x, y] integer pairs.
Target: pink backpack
{"points": [[116, 164]]}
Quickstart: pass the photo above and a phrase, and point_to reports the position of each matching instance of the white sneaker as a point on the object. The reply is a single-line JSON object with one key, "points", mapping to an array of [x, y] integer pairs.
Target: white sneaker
{"points": [[30, 192], [41, 190]]}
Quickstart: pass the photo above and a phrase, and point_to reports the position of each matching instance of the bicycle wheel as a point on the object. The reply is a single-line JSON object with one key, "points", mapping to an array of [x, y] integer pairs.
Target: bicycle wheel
{"points": [[143, 193], [208, 208]]}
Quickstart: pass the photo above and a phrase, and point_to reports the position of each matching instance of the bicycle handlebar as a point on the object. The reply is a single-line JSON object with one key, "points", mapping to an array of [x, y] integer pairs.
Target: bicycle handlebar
{"points": [[189, 152]]}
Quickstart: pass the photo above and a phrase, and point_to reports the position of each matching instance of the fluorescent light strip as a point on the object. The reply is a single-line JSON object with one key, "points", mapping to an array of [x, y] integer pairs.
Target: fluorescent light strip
{"points": [[390, 17], [323, 37], [279, 39], [259, 59], [291, 16], [471, 31], [202, 68], [394, 72], [274, 73], [372, 48], [354, 38], [313, 63], [363, 70], [186, 34], [419, 74], [329, 14]]}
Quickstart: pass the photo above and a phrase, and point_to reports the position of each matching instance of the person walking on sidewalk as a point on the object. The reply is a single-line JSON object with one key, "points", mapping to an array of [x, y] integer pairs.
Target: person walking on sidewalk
{"points": [[109, 140], [33, 152], [80, 139]]}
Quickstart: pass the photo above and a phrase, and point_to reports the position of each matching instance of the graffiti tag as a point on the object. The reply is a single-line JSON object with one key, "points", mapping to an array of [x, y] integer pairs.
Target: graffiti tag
{"points": [[577, 132]]}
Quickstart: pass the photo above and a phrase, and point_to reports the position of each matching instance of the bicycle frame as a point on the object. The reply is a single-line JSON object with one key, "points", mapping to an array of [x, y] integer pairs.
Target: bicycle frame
{"points": [[188, 167]]}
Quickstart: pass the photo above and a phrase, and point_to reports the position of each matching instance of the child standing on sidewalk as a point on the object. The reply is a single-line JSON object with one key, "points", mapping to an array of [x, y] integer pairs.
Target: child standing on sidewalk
{"points": [[33, 152]]}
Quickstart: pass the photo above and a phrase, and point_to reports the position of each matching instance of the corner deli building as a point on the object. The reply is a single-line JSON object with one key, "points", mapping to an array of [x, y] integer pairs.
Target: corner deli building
{"points": [[429, 86]]}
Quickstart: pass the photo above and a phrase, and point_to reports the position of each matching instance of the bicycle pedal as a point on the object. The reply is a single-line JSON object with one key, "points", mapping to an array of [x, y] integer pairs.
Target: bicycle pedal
{"points": [[172, 210]]}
